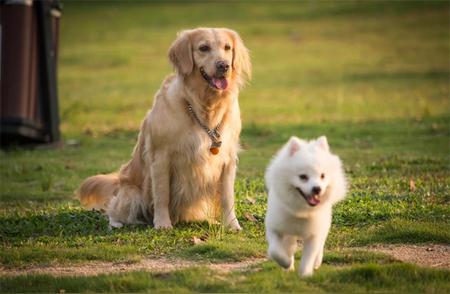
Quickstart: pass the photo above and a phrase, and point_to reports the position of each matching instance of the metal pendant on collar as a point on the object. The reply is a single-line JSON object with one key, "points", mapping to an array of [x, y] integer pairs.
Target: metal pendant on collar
{"points": [[214, 149], [213, 134]]}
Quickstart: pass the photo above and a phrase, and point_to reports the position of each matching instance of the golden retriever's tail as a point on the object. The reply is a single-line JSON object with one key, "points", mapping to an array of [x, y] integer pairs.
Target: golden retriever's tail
{"points": [[96, 192]]}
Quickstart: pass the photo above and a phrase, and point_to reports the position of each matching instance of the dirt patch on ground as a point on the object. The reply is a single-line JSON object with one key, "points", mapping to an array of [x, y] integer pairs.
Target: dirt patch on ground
{"points": [[160, 265], [432, 255]]}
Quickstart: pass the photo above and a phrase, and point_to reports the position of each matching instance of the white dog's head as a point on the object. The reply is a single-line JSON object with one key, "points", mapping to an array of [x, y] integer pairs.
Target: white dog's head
{"points": [[309, 171], [215, 57]]}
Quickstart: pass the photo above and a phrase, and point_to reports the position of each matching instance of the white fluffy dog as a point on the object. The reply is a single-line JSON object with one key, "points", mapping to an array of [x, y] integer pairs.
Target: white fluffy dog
{"points": [[304, 181]]}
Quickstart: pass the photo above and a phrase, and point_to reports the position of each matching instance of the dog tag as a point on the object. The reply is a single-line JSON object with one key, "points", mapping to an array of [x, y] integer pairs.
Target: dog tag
{"points": [[214, 149]]}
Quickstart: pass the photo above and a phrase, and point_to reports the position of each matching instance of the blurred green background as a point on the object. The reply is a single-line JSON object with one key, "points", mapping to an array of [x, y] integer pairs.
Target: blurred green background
{"points": [[316, 64], [313, 61]]}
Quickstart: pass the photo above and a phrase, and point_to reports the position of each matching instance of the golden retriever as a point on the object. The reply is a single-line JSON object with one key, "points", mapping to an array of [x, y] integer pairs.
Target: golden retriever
{"points": [[184, 163]]}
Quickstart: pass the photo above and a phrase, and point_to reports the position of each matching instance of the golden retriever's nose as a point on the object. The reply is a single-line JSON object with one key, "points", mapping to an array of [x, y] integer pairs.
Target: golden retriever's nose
{"points": [[222, 66]]}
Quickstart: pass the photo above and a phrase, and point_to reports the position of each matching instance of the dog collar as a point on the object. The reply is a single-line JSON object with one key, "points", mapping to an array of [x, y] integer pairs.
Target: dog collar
{"points": [[213, 134]]}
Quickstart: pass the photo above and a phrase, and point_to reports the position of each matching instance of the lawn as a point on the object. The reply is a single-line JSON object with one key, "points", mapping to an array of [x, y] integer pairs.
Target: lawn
{"points": [[371, 76]]}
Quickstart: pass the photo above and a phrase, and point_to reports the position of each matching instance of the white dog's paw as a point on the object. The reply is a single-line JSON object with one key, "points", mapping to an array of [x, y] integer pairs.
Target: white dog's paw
{"points": [[283, 260], [291, 268], [305, 272]]}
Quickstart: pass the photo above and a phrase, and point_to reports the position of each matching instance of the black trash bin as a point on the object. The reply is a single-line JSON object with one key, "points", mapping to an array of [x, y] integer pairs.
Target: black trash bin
{"points": [[28, 86]]}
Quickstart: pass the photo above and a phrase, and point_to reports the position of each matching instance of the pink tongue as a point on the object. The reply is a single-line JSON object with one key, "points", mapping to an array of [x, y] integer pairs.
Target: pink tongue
{"points": [[313, 200], [220, 83]]}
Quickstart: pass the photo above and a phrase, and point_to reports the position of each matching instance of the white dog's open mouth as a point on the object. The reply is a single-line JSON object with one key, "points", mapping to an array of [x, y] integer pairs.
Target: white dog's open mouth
{"points": [[219, 83], [312, 200]]}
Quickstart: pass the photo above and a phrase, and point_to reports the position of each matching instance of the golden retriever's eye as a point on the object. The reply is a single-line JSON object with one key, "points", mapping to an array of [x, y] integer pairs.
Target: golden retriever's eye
{"points": [[322, 176], [303, 177], [227, 47], [204, 48]]}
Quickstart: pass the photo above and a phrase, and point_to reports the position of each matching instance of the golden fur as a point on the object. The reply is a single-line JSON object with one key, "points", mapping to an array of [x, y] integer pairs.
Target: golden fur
{"points": [[172, 176]]}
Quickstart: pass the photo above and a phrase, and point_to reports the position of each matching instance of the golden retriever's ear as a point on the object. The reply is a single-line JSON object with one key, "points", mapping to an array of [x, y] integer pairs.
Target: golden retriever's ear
{"points": [[241, 58], [180, 54]]}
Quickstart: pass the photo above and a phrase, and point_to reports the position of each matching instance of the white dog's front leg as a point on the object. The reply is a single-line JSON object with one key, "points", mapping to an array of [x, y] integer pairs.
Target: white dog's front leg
{"points": [[319, 258], [227, 196], [160, 190], [281, 249], [311, 249], [290, 244]]}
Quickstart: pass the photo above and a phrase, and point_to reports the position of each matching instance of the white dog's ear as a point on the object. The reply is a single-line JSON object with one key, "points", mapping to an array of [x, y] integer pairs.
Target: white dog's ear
{"points": [[180, 54], [323, 143], [241, 58], [294, 145]]}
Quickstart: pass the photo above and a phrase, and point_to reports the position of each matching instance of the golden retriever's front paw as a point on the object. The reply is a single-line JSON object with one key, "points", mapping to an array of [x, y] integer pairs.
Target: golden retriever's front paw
{"points": [[163, 225], [234, 226]]}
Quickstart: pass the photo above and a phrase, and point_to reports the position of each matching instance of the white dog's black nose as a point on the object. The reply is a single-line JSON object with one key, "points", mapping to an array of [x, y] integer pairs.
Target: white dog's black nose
{"points": [[222, 66], [316, 190]]}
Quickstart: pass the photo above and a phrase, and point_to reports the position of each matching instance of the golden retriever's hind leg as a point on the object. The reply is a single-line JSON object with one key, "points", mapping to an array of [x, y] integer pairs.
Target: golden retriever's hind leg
{"points": [[114, 224], [127, 207]]}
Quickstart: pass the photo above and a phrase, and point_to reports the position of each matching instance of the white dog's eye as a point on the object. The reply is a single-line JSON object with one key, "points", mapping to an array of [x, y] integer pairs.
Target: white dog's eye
{"points": [[227, 47], [322, 176], [303, 177], [204, 48]]}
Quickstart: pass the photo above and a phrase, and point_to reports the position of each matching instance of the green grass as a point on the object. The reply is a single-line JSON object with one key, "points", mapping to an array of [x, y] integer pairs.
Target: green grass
{"points": [[372, 76], [367, 277]]}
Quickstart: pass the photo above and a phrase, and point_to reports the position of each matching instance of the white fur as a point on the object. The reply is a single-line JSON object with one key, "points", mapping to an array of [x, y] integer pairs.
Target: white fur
{"points": [[289, 216]]}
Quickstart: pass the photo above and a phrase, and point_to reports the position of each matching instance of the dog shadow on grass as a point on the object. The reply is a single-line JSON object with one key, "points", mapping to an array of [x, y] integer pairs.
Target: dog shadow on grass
{"points": [[68, 222], [65, 223]]}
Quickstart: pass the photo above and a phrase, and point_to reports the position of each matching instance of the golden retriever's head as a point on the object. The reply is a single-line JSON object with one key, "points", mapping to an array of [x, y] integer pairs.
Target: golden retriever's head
{"points": [[217, 57]]}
